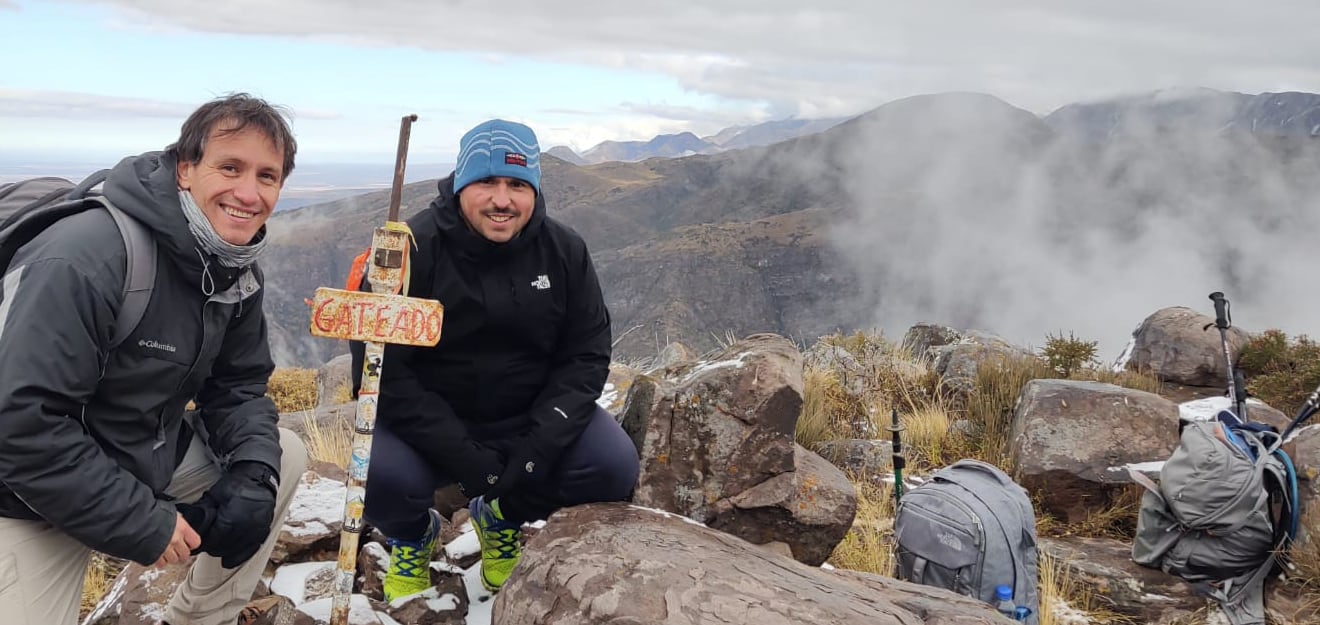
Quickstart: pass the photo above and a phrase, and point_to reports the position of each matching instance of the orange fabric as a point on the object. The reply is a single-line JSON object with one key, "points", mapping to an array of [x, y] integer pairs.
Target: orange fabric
{"points": [[357, 271]]}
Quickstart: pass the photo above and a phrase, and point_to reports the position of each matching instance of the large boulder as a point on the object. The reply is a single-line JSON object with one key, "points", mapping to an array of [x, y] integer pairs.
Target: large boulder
{"points": [[333, 379], [1104, 567], [716, 443], [617, 384], [617, 564], [139, 595], [920, 338], [1176, 346], [325, 419], [1072, 441], [958, 362], [864, 459]]}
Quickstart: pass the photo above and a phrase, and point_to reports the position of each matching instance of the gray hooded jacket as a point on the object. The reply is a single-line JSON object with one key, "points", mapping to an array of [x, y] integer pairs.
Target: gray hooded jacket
{"points": [[89, 439]]}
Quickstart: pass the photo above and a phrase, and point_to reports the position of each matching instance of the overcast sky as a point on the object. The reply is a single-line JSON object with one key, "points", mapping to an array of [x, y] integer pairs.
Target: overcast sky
{"points": [[112, 77]]}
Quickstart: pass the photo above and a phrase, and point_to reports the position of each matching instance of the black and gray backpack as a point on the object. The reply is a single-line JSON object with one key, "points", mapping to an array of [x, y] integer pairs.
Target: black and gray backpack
{"points": [[29, 206], [969, 529], [1224, 511]]}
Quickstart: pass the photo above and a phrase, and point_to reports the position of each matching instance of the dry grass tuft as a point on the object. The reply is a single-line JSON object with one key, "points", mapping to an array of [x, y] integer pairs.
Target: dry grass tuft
{"points": [[1305, 555], [328, 444], [868, 546], [1064, 600], [293, 390], [97, 581], [343, 394]]}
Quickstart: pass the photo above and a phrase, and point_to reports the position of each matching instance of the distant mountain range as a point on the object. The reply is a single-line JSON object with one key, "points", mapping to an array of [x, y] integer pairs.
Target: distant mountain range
{"points": [[1292, 114], [688, 144], [956, 208]]}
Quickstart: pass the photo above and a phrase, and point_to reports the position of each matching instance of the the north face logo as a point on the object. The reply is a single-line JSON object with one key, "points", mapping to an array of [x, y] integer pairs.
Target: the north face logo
{"points": [[514, 158], [950, 541], [542, 282]]}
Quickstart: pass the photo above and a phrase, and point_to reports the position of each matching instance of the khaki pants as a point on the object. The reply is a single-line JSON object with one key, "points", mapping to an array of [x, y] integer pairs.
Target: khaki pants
{"points": [[42, 569]]}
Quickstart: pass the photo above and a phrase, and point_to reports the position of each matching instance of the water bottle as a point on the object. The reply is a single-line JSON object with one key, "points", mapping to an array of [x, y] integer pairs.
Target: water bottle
{"points": [[1004, 601]]}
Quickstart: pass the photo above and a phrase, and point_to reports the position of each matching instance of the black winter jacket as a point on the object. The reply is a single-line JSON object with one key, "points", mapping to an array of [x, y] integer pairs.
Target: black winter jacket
{"points": [[525, 345], [89, 440]]}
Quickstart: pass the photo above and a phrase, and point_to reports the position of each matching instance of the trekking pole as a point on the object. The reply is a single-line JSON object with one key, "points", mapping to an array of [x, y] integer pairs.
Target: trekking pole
{"points": [[895, 430], [1237, 391], [375, 318], [1309, 407]]}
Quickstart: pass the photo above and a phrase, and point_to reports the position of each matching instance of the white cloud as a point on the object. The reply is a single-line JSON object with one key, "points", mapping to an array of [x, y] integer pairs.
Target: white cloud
{"points": [[67, 105], [75, 105], [831, 57]]}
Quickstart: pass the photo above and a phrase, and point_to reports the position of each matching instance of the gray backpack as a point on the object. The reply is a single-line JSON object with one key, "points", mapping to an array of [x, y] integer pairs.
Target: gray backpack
{"points": [[1221, 514], [970, 529], [29, 206]]}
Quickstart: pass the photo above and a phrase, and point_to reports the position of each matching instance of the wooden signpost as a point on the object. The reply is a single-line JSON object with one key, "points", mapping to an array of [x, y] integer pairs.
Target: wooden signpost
{"points": [[375, 318]]}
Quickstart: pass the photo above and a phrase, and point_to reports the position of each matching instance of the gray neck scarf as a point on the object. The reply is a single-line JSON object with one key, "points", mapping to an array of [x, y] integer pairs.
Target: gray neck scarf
{"points": [[225, 253]]}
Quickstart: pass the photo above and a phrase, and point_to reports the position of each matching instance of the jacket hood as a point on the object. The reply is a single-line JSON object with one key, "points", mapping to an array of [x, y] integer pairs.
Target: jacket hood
{"points": [[147, 188], [456, 231]]}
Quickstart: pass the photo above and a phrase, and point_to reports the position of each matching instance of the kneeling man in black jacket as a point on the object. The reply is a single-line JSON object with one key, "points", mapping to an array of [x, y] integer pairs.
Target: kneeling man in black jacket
{"points": [[505, 404]]}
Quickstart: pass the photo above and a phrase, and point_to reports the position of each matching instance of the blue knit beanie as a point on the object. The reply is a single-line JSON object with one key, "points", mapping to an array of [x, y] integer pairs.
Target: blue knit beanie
{"points": [[498, 148]]}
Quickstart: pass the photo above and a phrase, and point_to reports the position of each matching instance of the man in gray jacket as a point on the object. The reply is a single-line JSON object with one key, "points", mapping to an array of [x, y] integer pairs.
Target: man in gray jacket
{"points": [[98, 448]]}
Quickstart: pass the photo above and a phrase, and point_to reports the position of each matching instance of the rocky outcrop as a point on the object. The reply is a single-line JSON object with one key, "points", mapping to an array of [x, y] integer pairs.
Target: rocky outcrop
{"points": [[1072, 441], [333, 379], [1176, 345], [617, 564], [958, 361], [716, 442]]}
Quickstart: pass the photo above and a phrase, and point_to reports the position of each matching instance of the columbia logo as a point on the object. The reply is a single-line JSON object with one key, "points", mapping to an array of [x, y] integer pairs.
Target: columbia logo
{"points": [[542, 282], [165, 347]]}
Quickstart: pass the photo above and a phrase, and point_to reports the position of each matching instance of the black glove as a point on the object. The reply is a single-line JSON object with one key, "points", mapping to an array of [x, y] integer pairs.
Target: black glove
{"points": [[236, 514], [525, 468], [478, 470]]}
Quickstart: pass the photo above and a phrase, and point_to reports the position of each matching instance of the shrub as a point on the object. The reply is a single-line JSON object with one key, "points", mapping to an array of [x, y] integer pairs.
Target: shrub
{"points": [[293, 390], [1279, 372], [1068, 355]]}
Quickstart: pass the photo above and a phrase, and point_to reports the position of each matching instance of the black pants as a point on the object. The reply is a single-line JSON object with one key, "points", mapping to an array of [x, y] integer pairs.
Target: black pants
{"points": [[601, 465]]}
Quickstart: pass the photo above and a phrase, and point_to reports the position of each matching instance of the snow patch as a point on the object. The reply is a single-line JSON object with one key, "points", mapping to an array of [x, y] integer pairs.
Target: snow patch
{"points": [[1153, 466], [479, 600], [1065, 614], [317, 504], [465, 545], [435, 602], [1206, 409], [668, 514], [1121, 363], [360, 611], [607, 396], [112, 598], [291, 579], [703, 367], [1298, 432]]}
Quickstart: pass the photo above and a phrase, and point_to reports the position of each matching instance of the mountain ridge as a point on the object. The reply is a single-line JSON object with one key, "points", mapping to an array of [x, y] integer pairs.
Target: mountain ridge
{"points": [[959, 208]]}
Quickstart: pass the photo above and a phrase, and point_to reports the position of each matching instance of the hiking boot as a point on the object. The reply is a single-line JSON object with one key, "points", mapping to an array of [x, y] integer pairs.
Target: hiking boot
{"points": [[410, 562], [501, 542]]}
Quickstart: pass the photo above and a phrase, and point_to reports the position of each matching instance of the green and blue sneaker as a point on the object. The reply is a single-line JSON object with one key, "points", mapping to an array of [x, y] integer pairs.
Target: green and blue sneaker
{"points": [[410, 562], [501, 542]]}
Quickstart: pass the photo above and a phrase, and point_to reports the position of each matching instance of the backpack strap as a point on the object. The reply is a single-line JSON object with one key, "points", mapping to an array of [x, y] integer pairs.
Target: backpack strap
{"points": [[84, 188], [140, 277]]}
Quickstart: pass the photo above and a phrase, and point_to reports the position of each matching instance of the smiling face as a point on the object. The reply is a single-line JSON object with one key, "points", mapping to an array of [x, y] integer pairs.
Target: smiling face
{"points": [[236, 182], [497, 208]]}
